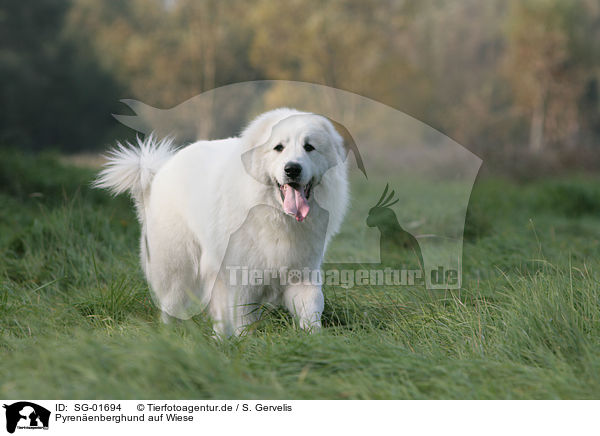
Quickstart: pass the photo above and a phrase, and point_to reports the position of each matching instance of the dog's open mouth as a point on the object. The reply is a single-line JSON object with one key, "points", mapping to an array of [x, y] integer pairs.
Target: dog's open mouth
{"points": [[295, 199]]}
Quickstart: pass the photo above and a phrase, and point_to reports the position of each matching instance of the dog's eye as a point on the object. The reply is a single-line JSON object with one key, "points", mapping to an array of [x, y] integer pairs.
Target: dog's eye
{"points": [[278, 147], [308, 147]]}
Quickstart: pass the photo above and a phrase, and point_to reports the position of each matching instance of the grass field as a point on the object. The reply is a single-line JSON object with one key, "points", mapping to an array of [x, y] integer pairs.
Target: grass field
{"points": [[76, 319]]}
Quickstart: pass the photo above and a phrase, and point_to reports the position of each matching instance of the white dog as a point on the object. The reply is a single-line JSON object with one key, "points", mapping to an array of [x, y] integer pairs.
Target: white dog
{"points": [[269, 200]]}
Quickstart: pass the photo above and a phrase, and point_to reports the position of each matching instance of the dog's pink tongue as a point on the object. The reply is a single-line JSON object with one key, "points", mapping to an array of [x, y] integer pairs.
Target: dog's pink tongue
{"points": [[294, 202]]}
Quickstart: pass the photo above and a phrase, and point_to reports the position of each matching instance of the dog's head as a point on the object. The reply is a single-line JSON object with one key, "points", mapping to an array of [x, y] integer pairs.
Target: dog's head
{"points": [[291, 151]]}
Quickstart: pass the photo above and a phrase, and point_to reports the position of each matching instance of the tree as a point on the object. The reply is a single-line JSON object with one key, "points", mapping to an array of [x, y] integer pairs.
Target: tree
{"points": [[53, 94], [545, 67]]}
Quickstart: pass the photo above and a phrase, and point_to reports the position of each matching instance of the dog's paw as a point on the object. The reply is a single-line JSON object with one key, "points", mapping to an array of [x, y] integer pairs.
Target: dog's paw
{"points": [[311, 326]]}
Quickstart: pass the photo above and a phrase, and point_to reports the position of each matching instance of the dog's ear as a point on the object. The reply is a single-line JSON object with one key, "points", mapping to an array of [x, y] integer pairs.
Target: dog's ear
{"points": [[254, 136], [253, 164]]}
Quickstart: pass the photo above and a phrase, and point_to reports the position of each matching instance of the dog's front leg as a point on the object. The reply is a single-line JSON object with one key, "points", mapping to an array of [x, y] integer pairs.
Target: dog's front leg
{"points": [[305, 302], [232, 309]]}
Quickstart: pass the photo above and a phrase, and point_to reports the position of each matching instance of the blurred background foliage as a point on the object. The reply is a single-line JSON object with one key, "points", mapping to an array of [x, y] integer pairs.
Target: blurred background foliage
{"points": [[516, 82]]}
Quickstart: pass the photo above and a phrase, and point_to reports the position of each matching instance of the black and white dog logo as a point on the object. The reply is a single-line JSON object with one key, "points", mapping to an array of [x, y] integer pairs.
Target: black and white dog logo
{"points": [[26, 415]]}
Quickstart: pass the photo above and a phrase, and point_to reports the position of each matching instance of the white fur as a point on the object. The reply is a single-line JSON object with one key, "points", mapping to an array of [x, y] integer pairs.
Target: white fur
{"points": [[132, 168], [215, 204]]}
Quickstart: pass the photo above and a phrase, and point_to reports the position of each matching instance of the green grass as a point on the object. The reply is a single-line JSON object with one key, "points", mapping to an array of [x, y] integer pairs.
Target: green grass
{"points": [[76, 319]]}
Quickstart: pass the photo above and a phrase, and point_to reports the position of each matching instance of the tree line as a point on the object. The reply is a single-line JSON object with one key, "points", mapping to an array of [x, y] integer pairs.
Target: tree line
{"points": [[505, 78]]}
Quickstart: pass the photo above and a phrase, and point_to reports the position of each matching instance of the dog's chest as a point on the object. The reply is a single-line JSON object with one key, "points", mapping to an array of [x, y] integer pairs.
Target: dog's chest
{"points": [[270, 240]]}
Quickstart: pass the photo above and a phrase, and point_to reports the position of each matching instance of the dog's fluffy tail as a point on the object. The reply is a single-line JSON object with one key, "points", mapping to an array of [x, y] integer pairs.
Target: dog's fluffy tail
{"points": [[131, 167]]}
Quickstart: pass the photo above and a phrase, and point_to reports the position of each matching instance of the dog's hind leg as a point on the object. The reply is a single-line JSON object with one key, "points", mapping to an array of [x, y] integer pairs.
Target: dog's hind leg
{"points": [[173, 271]]}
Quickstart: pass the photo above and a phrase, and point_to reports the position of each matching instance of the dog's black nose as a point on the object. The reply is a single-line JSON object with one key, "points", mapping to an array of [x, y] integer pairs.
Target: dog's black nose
{"points": [[292, 169]]}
